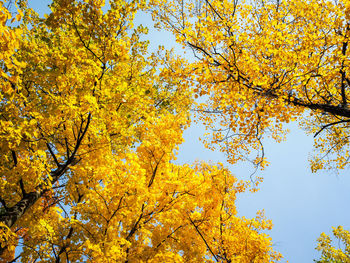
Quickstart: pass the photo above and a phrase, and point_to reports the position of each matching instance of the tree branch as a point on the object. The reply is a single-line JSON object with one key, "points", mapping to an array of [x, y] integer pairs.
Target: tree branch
{"points": [[206, 243], [328, 125], [12, 214]]}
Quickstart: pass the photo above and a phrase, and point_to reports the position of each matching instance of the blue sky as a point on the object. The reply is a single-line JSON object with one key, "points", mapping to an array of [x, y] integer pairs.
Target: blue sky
{"points": [[301, 205]]}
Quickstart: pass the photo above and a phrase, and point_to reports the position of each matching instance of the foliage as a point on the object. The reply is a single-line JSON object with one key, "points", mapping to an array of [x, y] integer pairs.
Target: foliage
{"points": [[261, 64], [330, 254], [89, 128]]}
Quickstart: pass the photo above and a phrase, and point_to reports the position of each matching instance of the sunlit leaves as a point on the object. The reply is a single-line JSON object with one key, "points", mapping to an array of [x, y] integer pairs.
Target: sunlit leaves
{"points": [[261, 64], [90, 126], [334, 250]]}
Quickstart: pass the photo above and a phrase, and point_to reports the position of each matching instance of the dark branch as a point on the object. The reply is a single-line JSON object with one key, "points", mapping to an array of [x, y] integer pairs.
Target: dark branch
{"points": [[14, 156], [202, 237], [328, 125], [52, 154]]}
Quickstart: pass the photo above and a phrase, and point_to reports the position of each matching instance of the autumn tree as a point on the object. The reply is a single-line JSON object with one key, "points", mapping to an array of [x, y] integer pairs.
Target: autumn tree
{"points": [[90, 123], [329, 252], [260, 64]]}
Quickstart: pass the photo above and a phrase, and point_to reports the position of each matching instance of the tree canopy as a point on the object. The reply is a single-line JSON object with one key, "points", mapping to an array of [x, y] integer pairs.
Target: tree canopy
{"points": [[261, 64], [329, 252], [90, 124]]}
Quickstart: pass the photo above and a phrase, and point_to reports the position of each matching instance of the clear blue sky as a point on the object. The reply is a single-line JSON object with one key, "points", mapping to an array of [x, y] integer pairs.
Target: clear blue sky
{"points": [[301, 205]]}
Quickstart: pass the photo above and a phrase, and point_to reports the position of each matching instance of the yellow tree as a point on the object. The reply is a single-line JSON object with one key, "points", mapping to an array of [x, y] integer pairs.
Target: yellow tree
{"points": [[330, 254], [261, 64], [89, 128]]}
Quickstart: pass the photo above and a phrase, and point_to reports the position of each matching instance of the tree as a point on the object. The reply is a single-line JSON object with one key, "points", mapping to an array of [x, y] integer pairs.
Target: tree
{"points": [[330, 254], [265, 63], [260, 64], [90, 124]]}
